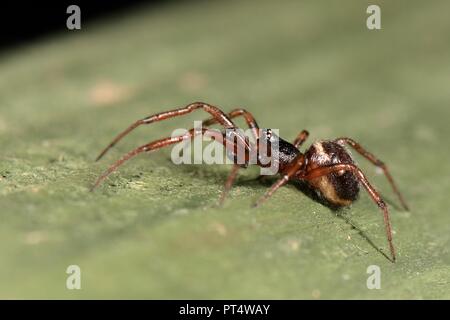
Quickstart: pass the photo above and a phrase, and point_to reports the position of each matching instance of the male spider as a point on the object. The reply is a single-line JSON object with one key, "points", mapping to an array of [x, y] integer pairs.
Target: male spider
{"points": [[326, 166]]}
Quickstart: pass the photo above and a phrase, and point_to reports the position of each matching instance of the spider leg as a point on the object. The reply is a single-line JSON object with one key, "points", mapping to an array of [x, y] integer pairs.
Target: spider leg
{"points": [[251, 122], [229, 183], [377, 162], [154, 146], [323, 171], [219, 115], [292, 170], [302, 136]]}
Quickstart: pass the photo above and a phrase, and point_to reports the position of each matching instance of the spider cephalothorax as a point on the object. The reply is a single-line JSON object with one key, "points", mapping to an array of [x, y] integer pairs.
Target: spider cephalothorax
{"points": [[326, 167]]}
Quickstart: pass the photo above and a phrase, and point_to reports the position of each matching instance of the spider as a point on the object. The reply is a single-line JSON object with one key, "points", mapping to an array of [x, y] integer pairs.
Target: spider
{"points": [[326, 167]]}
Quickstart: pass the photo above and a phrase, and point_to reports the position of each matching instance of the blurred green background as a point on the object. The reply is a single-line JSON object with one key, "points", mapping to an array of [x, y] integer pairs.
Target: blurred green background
{"points": [[153, 231]]}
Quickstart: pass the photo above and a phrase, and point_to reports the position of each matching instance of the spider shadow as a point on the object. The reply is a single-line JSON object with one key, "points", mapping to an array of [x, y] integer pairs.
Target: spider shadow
{"points": [[336, 210], [267, 181]]}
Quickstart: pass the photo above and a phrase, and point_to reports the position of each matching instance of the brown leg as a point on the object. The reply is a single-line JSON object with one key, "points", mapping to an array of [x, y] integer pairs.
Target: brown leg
{"points": [[323, 171], [377, 163], [302, 136], [228, 183], [295, 166], [251, 122], [154, 146], [218, 115]]}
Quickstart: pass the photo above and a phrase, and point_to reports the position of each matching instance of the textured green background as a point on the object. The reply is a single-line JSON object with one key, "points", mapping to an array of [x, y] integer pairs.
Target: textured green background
{"points": [[152, 230]]}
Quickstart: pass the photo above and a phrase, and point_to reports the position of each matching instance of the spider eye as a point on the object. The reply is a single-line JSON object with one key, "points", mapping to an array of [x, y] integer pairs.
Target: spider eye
{"points": [[268, 133]]}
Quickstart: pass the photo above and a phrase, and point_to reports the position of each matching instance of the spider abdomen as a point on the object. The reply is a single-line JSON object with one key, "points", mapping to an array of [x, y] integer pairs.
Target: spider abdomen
{"points": [[339, 188]]}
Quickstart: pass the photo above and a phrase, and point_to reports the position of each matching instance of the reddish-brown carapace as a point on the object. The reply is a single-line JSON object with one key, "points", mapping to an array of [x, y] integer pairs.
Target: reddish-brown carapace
{"points": [[325, 167]]}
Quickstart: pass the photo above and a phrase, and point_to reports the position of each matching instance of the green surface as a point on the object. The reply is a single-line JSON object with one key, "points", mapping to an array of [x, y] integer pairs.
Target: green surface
{"points": [[152, 230]]}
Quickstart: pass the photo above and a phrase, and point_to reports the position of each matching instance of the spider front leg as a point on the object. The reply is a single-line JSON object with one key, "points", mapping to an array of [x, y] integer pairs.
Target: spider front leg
{"points": [[249, 119], [377, 162], [218, 136], [323, 171], [158, 144], [217, 114]]}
